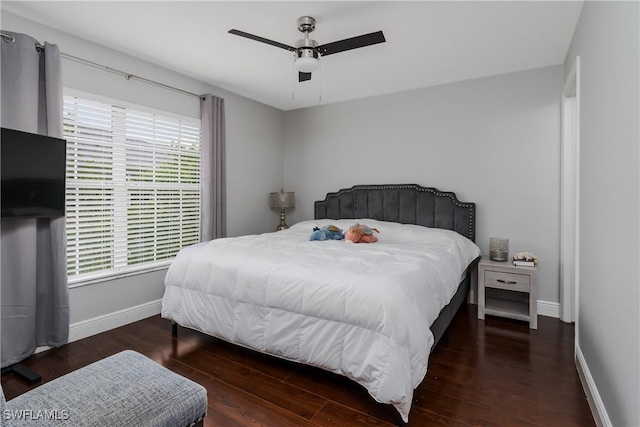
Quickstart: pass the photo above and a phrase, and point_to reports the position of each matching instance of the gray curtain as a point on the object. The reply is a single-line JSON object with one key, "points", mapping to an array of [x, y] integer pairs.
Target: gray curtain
{"points": [[213, 181], [33, 289]]}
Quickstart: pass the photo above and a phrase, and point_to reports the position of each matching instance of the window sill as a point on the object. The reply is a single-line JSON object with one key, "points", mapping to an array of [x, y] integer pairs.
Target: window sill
{"points": [[99, 277]]}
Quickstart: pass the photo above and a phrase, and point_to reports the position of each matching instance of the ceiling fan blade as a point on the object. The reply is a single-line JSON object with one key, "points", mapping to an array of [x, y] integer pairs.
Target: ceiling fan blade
{"points": [[352, 43], [262, 39], [303, 77]]}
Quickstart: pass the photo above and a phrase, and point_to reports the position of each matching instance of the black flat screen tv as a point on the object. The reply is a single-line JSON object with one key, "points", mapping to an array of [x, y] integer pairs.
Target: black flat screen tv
{"points": [[33, 175]]}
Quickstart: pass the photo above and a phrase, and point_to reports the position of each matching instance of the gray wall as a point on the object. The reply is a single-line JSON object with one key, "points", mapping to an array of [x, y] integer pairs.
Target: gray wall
{"points": [[493, 141], [254, 150], [606, 39]]}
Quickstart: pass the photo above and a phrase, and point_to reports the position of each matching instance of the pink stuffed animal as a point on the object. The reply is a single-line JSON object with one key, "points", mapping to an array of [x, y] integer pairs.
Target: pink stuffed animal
{"points": [[360, 233]]}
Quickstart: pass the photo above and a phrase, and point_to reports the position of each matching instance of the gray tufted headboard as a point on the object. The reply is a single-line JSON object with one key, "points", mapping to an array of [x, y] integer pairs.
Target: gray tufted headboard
{"points": [[404, 203]]}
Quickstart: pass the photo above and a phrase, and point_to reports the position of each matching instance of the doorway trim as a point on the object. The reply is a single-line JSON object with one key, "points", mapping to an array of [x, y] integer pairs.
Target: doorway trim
{"points": [[570, 198]]}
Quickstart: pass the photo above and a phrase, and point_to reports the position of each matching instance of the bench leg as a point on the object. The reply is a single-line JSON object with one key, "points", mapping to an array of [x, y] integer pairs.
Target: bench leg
{"points": [[174, 329]]}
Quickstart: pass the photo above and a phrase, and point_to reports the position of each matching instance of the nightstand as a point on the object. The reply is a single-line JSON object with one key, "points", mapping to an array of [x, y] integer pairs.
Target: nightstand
{"points": [[508, 291]]}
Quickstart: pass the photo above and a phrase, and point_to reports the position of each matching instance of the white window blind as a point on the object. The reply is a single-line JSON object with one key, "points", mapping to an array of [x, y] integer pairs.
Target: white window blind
{"points": [[132, 187]]}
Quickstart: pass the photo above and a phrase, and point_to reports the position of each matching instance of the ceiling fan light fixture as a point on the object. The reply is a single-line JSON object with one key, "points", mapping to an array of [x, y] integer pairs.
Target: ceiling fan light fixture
{"points": [[307, 60]]}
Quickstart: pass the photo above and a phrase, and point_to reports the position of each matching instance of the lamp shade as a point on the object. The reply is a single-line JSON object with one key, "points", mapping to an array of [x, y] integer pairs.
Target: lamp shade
{"points": [[282, 200]]}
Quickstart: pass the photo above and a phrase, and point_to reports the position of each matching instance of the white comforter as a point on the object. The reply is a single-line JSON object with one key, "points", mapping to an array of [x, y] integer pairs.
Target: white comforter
{"points": [[360, 310]]}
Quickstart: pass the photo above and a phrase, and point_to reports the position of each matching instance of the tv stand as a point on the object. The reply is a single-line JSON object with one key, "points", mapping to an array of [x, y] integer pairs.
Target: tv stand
{"points": [[21, 371]]}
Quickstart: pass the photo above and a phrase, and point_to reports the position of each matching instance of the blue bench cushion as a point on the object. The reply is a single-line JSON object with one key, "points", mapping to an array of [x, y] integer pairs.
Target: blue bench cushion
{"points": [[126, 389]]}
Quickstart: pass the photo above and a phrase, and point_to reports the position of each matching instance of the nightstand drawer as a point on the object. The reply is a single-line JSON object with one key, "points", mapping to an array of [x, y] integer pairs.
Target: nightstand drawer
{"points": [[508, 281]]}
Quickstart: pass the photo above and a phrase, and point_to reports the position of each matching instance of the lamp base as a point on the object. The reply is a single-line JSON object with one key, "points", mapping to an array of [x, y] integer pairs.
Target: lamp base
{"points": [[282, 225]]}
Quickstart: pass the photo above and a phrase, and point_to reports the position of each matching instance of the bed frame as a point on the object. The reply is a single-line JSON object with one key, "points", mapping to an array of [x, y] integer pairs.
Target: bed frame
{"points": [[409, 204]]}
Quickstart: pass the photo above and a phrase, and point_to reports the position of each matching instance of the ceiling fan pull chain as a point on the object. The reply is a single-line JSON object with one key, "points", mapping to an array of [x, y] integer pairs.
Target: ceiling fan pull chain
{"points": [[320, 83]]}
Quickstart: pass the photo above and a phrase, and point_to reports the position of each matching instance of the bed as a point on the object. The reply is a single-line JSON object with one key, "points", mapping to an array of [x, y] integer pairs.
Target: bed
{"points": [[371, 312]]}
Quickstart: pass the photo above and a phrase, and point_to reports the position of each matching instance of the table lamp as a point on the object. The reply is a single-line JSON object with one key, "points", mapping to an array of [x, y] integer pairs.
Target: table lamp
{"points": [[282, 200]]}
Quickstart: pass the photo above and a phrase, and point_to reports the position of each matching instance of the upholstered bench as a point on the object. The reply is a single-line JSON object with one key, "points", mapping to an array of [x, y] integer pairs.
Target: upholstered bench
{"points": [[126, 389]]}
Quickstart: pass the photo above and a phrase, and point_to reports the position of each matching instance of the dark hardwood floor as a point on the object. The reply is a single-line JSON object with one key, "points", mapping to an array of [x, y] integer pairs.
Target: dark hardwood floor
{"points": [[493, 373]]}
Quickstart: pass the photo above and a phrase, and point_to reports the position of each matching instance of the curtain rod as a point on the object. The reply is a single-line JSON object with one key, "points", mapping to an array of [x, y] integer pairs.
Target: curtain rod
{"points": [[10, 39]]}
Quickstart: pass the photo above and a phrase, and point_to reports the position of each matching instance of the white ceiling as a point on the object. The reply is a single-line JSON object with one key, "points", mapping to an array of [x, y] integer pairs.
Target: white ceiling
{"points": [[428, 43]]}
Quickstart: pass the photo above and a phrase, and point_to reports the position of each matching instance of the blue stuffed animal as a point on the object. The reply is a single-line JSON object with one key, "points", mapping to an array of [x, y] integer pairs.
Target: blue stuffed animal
{"points": [[328, 232]]}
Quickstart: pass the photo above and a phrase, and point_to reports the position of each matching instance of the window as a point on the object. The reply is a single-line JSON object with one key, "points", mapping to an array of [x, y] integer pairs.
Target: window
{"points": [[132, 188]]}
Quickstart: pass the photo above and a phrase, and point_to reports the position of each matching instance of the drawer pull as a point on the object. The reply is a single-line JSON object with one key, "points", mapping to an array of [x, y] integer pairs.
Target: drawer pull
{"points": [[507, 282]]}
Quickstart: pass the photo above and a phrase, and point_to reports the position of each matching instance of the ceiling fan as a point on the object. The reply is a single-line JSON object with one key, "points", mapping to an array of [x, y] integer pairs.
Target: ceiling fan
{"points": [[308, 52]]}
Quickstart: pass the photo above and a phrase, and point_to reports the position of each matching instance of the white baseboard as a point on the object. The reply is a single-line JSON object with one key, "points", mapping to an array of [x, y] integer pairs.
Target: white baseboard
{"points": [[549, 309], [598, 410], [106, 322]]}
